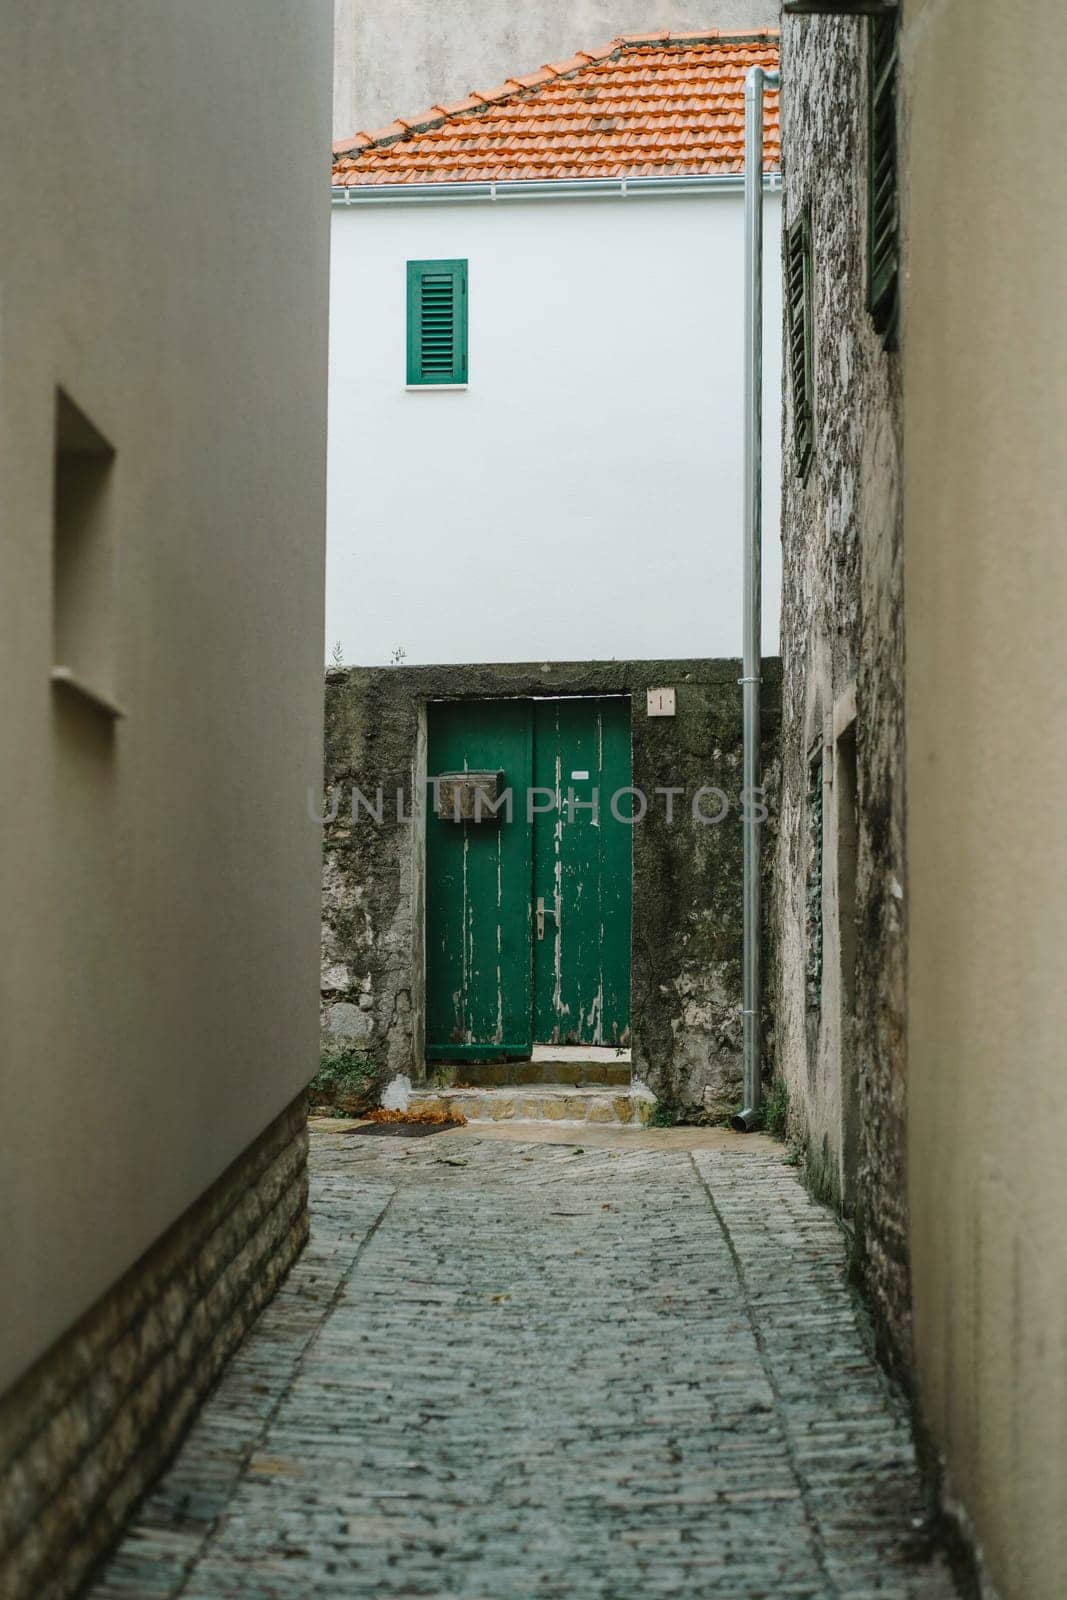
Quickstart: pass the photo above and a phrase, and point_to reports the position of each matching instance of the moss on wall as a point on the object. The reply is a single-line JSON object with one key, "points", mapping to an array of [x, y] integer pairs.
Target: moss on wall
{"points": [[843, 1054], [685, 987]]}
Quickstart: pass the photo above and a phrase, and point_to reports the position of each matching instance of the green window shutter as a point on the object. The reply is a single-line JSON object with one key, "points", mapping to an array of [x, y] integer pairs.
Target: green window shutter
{"points": [[437, 322], [883, 254], [800, 331]]}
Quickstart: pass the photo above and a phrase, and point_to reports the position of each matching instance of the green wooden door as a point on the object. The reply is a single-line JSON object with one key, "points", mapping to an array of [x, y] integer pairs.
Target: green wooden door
{"points": [[478, 874], [582, 872], [501, 976]]}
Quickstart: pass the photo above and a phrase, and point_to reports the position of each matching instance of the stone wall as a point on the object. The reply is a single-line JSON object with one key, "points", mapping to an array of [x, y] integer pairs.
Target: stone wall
{"points": [[89, 1427], [685, 994], [840, 1009]]}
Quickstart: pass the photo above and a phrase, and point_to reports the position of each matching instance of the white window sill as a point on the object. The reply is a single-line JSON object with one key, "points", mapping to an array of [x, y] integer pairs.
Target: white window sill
{"points": [[65, 679], [436, 388]]}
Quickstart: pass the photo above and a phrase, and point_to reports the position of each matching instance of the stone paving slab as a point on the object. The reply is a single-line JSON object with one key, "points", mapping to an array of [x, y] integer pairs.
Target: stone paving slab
{"points": [[507, 1369], [539, 1103]]}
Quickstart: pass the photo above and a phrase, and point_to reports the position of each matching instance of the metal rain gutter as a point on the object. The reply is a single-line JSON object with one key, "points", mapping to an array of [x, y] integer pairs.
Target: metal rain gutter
{"points": [[541, 189], [756, 80]]}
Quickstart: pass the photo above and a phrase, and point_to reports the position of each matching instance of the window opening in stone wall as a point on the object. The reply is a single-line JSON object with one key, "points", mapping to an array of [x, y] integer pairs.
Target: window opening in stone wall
{"points": [[883, 251], [814, 883], [847, 835], [800, 333]]}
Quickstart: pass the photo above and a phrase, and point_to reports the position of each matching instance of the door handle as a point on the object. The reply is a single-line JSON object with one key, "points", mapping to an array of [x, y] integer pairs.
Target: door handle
{"points": [[543, 912]]}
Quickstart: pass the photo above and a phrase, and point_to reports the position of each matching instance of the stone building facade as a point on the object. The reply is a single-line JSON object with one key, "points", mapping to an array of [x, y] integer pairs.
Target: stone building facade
{"points": [[685, 958], [839, 981]]}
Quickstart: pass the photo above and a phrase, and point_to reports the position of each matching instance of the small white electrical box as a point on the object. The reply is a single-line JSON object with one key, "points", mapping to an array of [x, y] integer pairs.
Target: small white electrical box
{"points": [[661, 702]]}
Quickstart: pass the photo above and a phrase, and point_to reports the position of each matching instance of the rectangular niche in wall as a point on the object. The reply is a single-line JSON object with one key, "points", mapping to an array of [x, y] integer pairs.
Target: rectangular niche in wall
{"points": [[84, 597]]}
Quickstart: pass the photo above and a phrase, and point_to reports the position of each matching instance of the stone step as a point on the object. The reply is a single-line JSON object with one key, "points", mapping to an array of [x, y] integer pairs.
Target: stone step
{"points": [[564, 1073], [540, 1102]]}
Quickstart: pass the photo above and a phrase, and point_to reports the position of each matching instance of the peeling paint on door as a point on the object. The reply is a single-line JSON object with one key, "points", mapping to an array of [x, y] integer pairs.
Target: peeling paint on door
{"points": [[478, 921], [494, 985], [582, 967]]}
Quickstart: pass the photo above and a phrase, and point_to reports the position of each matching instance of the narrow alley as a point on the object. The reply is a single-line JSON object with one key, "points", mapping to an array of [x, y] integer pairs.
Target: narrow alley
{"points": [[641, 1373], [534, 855]]}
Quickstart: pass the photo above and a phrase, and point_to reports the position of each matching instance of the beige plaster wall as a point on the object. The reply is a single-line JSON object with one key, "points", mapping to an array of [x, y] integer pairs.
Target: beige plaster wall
{"points": [[395, 58], [985, 405], [163, 260]]}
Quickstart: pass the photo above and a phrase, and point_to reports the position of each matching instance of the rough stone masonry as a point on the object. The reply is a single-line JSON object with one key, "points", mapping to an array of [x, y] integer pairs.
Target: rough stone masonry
{"points": [[685, 959], [839, 987], [90, 1427]]}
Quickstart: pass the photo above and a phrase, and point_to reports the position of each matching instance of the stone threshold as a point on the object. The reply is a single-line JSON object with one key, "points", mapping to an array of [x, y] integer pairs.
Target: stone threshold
{"points": [[540, 1103]]}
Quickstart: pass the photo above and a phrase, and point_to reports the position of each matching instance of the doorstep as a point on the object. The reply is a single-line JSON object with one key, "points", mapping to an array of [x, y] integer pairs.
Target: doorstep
{"points": [[540, 1103]]}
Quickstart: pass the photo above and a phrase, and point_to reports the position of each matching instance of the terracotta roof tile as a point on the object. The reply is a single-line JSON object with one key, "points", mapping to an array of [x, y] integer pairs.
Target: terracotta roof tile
{"points": [[563, 69], [501, 92], [646, 104]]}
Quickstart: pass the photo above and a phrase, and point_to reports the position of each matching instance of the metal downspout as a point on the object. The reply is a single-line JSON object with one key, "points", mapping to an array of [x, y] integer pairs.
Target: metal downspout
{"points": [[756, 80]]}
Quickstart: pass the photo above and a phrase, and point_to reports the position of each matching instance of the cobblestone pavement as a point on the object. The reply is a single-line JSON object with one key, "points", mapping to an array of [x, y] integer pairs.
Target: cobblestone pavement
{"points": [[508, 1369]]}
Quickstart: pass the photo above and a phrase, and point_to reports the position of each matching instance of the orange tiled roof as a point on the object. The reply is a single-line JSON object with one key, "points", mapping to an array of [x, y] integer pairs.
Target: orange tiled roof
{"points": [[645, 105]]}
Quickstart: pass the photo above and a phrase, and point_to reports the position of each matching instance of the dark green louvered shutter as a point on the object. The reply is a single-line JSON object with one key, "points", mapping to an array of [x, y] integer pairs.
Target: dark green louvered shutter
{"points": [[799, 314], [437, 322], [882, 227]]}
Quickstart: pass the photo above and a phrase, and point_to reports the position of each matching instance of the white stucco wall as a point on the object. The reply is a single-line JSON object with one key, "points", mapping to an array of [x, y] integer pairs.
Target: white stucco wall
{"points": [[582, 498]]}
